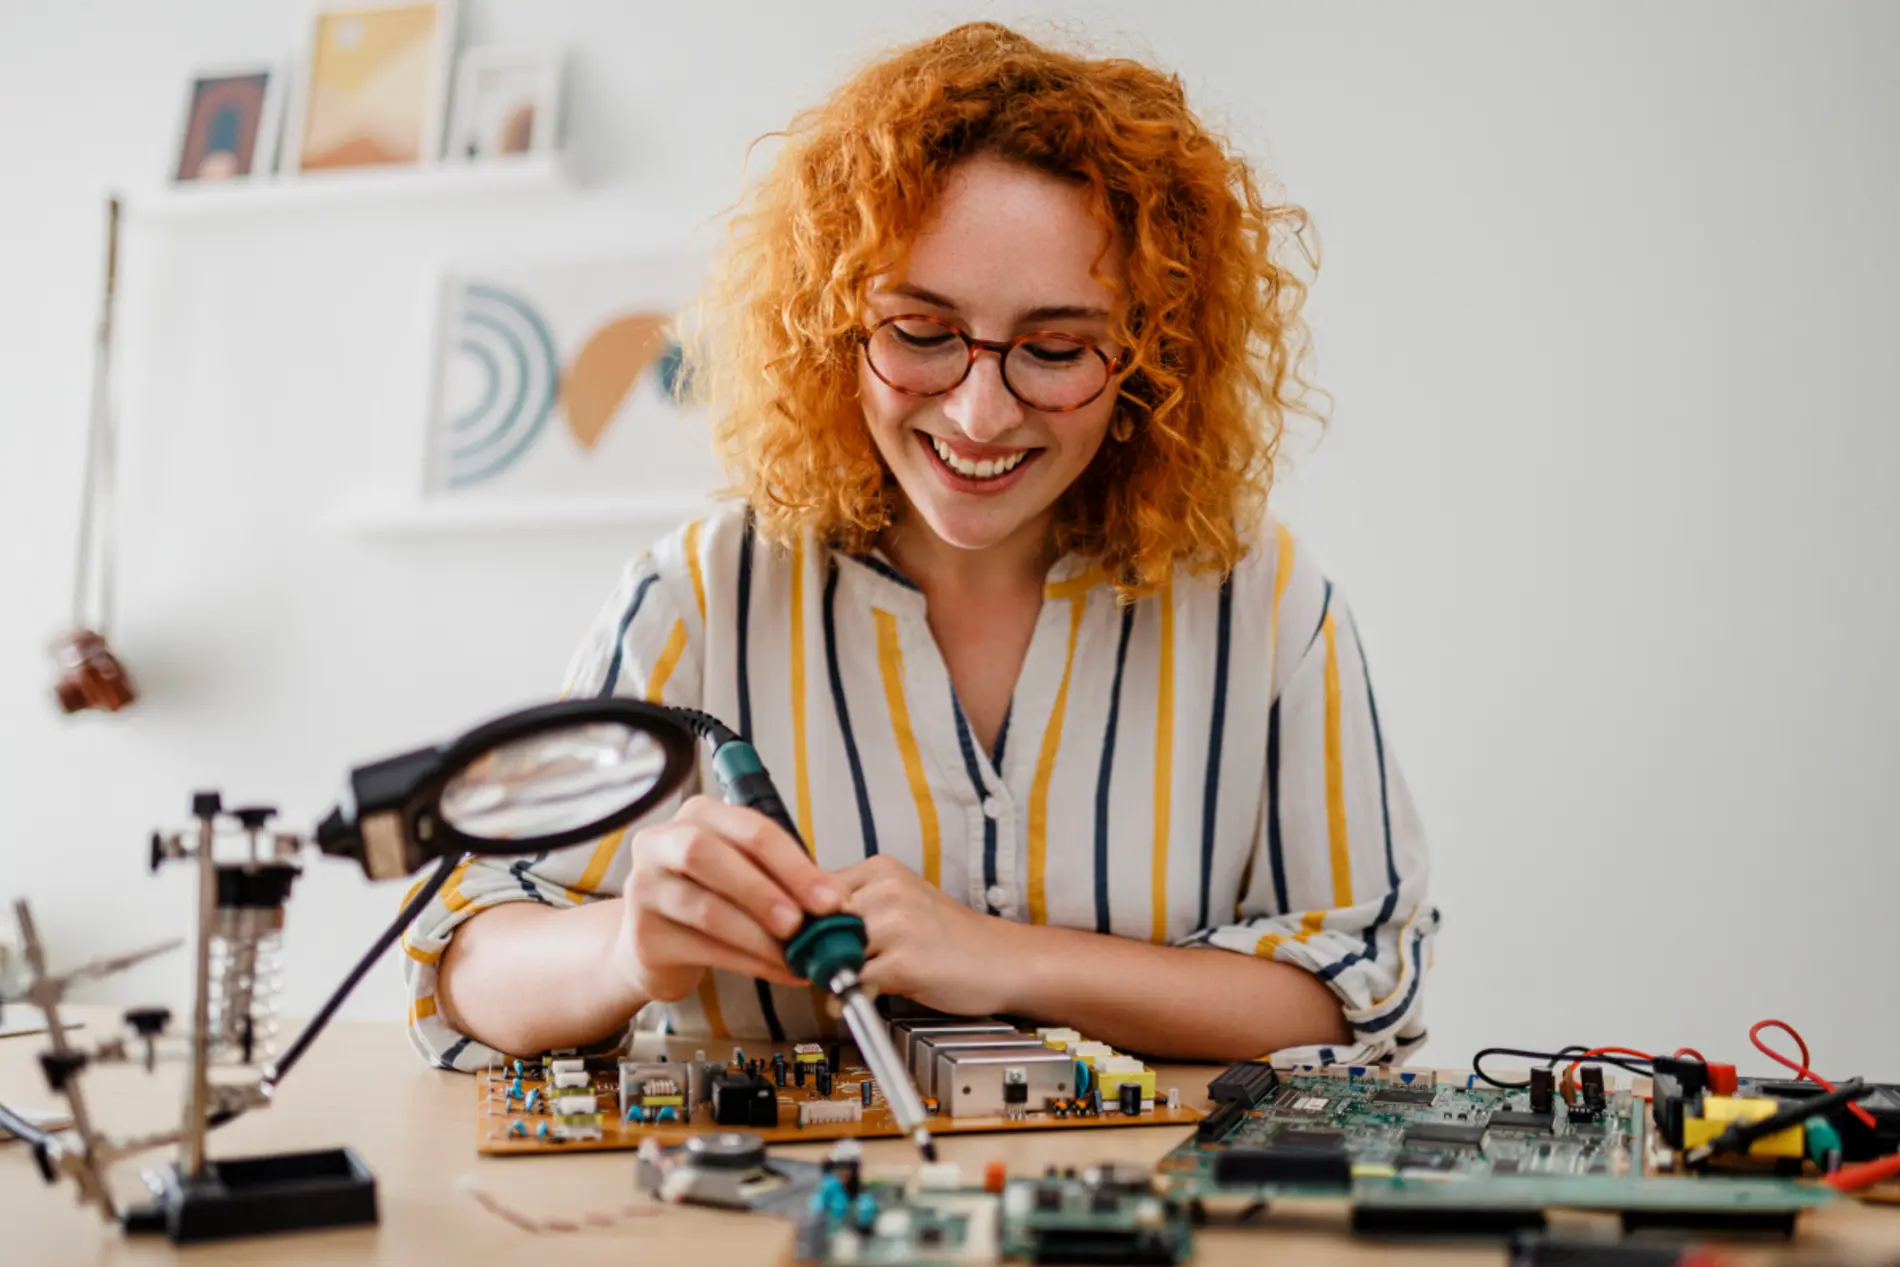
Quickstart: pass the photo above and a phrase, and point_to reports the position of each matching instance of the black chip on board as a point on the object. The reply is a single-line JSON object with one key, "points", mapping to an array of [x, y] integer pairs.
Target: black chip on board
{"points": [[1309, 1139], [1515, 1120], [1453, 1133], [1404, 1095], [1505, 1167]]}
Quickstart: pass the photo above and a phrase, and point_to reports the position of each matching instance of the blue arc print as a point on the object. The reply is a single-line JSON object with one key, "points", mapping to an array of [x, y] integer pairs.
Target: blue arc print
{"points": [[513, 351]]}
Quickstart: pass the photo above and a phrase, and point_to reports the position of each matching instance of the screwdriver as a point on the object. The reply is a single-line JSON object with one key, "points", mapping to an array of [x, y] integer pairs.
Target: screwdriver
{"points": [[828, 949]]}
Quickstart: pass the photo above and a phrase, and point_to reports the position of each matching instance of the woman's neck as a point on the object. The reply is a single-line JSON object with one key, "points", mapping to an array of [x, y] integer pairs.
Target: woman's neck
{"points": [[1020, 561]]}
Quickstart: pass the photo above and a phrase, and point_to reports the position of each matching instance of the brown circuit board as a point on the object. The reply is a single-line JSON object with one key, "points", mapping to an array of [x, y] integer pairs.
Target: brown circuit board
{"points": [[510, 1120]]}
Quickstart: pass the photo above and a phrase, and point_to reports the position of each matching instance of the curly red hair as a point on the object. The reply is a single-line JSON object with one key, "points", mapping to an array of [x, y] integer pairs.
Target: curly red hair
{"points": [[1210, 308]]}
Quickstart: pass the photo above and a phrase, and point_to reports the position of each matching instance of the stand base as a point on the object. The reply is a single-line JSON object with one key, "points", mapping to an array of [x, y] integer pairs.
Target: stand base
{"points": [[257, 1196]]}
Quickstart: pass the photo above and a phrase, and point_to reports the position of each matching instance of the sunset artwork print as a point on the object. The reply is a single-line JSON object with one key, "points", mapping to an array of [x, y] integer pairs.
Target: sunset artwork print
{"points": [[372, 87]]}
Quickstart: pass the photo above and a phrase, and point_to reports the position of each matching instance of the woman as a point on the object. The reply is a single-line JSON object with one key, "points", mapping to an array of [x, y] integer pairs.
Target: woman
{"points": [[999, 354]]}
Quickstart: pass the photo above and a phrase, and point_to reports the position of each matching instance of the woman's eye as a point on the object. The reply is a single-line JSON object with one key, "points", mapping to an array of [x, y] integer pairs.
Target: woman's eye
{"points": [[922, 336], [1054, 351]]}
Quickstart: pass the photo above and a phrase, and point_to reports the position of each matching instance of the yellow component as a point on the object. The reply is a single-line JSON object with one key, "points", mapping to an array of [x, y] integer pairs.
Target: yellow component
{"points": [[1719, 1112], [661, 1101], [1111, 1084], [808, 1053], [1369, 1170]]}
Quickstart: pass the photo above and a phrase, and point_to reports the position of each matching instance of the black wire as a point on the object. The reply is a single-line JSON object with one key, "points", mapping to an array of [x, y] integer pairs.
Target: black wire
{"points": [[1550, 1060], [423, 896]]}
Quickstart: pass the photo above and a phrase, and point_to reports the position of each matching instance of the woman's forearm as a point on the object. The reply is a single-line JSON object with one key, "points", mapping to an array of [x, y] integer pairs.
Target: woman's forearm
{"points": [[525, 978], [1171, 1001]]}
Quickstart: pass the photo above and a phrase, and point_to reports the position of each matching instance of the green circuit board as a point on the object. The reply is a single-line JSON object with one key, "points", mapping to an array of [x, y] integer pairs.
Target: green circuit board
{"points": [[1104, 1215], [1418, 1157]]}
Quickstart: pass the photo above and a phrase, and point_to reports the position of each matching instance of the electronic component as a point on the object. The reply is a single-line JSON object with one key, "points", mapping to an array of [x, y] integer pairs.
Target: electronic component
{"points": [[1456, 1134], [740, 1099], [1293, 1138], [906, 1031], [974, 1079], [1542, 1088], [1296, 1167], [827, 1112], [924, 1053], [1112, 1073], [1590, 1090], [1404, 1095], [729, 1170], [1129, 1097], [1107, 1215], [1517, 1120]]}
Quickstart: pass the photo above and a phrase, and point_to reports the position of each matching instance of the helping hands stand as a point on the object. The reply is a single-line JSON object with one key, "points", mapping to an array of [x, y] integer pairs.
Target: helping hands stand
{"points": [[240, 913]]}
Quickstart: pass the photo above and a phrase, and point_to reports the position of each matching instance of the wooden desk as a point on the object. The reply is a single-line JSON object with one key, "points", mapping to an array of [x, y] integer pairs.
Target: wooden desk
{"points": [[363, 1086]]}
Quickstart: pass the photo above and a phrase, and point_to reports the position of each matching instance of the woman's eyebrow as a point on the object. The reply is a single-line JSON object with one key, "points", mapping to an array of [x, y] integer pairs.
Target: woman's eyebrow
{"points": [[1050, 312]]}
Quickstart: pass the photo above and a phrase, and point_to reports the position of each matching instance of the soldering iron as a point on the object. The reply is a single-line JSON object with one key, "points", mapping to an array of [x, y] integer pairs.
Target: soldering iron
{"points": [[828, 949]]}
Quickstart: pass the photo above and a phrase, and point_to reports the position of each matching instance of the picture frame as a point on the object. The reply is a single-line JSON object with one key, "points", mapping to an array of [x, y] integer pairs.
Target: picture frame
{"points": [[507, 104], [231, 124], [371, 89], [554, 385]]}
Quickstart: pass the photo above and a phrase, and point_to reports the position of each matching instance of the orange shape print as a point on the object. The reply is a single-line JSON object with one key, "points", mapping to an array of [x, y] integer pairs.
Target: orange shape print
{"points": [[605, 368]]}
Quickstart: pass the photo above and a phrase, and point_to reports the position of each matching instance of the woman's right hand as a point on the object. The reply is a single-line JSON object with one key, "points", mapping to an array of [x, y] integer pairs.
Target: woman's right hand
{"points": [[716, 886]]}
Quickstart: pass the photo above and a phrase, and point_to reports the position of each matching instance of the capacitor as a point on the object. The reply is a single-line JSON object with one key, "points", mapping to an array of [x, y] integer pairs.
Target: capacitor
{"points": [[738, 1057], [1174, 1097], [1130, 1093], [864, 1090], [778, 1068], [824, 1080], [1543, 1087], [798, 1072]]}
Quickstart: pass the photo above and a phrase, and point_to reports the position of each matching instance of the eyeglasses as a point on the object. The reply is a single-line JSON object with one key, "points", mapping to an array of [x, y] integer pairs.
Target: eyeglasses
{"points": [[1047, 370]]}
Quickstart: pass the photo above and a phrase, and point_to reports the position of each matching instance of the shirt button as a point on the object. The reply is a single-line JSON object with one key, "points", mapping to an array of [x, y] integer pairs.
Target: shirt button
{"points": [[992, 808], [996, 897]]}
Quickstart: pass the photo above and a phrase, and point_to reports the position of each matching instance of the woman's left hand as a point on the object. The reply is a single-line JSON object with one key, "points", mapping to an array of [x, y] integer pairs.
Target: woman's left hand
{"points": [[923, 943]]}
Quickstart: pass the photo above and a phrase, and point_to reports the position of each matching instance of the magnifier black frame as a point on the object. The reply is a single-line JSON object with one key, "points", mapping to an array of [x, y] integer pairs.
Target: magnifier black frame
{"points": [[422, 816]]}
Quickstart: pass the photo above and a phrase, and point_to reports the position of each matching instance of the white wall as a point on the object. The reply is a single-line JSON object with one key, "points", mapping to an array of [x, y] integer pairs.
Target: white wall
{"points": [[1607, 308]]}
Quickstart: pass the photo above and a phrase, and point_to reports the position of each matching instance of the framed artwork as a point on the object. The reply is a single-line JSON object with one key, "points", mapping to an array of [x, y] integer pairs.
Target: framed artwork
{"points": [[507, 102], [373, 86], [231, 124], [558, 380]]}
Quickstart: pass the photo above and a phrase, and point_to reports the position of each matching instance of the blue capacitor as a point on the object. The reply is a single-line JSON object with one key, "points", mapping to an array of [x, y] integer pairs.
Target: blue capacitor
{"points": [[634, 1114], [1082, 1079], [541, 1131], [865, 1209], [666, 1114]]}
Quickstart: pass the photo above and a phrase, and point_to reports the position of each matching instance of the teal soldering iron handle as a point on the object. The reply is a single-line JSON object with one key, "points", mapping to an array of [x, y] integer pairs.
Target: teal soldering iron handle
{"points": [[824, 945], [827, 949]]}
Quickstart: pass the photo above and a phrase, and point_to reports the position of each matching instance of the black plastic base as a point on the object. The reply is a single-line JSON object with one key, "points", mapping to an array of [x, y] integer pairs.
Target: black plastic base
{"points": [[258, 1196]]}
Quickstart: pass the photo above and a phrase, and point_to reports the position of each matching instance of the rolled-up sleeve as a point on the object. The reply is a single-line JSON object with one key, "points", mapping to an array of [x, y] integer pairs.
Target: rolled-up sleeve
{"points": [[643, 645], [1338, 877]]}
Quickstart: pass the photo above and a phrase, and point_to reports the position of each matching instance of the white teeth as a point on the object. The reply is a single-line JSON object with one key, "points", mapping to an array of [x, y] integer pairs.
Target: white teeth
{"points": [[984, 470]]}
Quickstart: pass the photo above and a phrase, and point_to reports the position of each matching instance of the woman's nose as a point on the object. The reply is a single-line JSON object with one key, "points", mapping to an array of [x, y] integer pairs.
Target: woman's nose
{"points": [[981, 406]]}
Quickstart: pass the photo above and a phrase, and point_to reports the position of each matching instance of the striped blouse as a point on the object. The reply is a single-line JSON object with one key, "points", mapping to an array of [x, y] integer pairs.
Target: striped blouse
{"points": [[1202, 768]]}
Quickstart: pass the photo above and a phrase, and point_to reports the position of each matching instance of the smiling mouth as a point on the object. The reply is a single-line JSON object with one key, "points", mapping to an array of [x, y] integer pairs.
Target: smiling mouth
{"points": [[985, 469]]}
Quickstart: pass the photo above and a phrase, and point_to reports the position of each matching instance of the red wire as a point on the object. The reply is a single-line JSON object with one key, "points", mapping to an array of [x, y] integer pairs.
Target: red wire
{"points": [[1866, 1174], [1680, 1052], [1606, 1051], [1801, 1070]]}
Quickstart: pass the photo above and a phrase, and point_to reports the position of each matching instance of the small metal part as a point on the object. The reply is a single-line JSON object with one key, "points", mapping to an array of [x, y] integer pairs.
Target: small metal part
{"points": [[726, 1150], [973, 1082], [905, 1032], [931, 1049]]}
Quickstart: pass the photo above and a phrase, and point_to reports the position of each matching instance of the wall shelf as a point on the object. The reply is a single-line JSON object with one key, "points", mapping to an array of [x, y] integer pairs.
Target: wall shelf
{"points": [[542, 173], [411, 516]]}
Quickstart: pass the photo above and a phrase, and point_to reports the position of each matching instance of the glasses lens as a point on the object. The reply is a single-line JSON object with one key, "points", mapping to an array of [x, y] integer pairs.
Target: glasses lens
{"points": [[918, 354], [1056, 372]]}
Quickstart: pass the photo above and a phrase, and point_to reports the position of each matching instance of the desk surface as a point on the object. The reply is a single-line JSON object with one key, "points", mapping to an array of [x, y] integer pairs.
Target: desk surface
{"points": [[362, 1085]]}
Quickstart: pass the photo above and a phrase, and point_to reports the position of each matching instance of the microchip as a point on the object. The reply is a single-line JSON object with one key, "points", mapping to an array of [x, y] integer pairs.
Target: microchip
{"points": [[1505, 1167], [1309, 1139], [1515, 1120], [1404, 1095], [1298, 1103], [1445, 1133]]}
